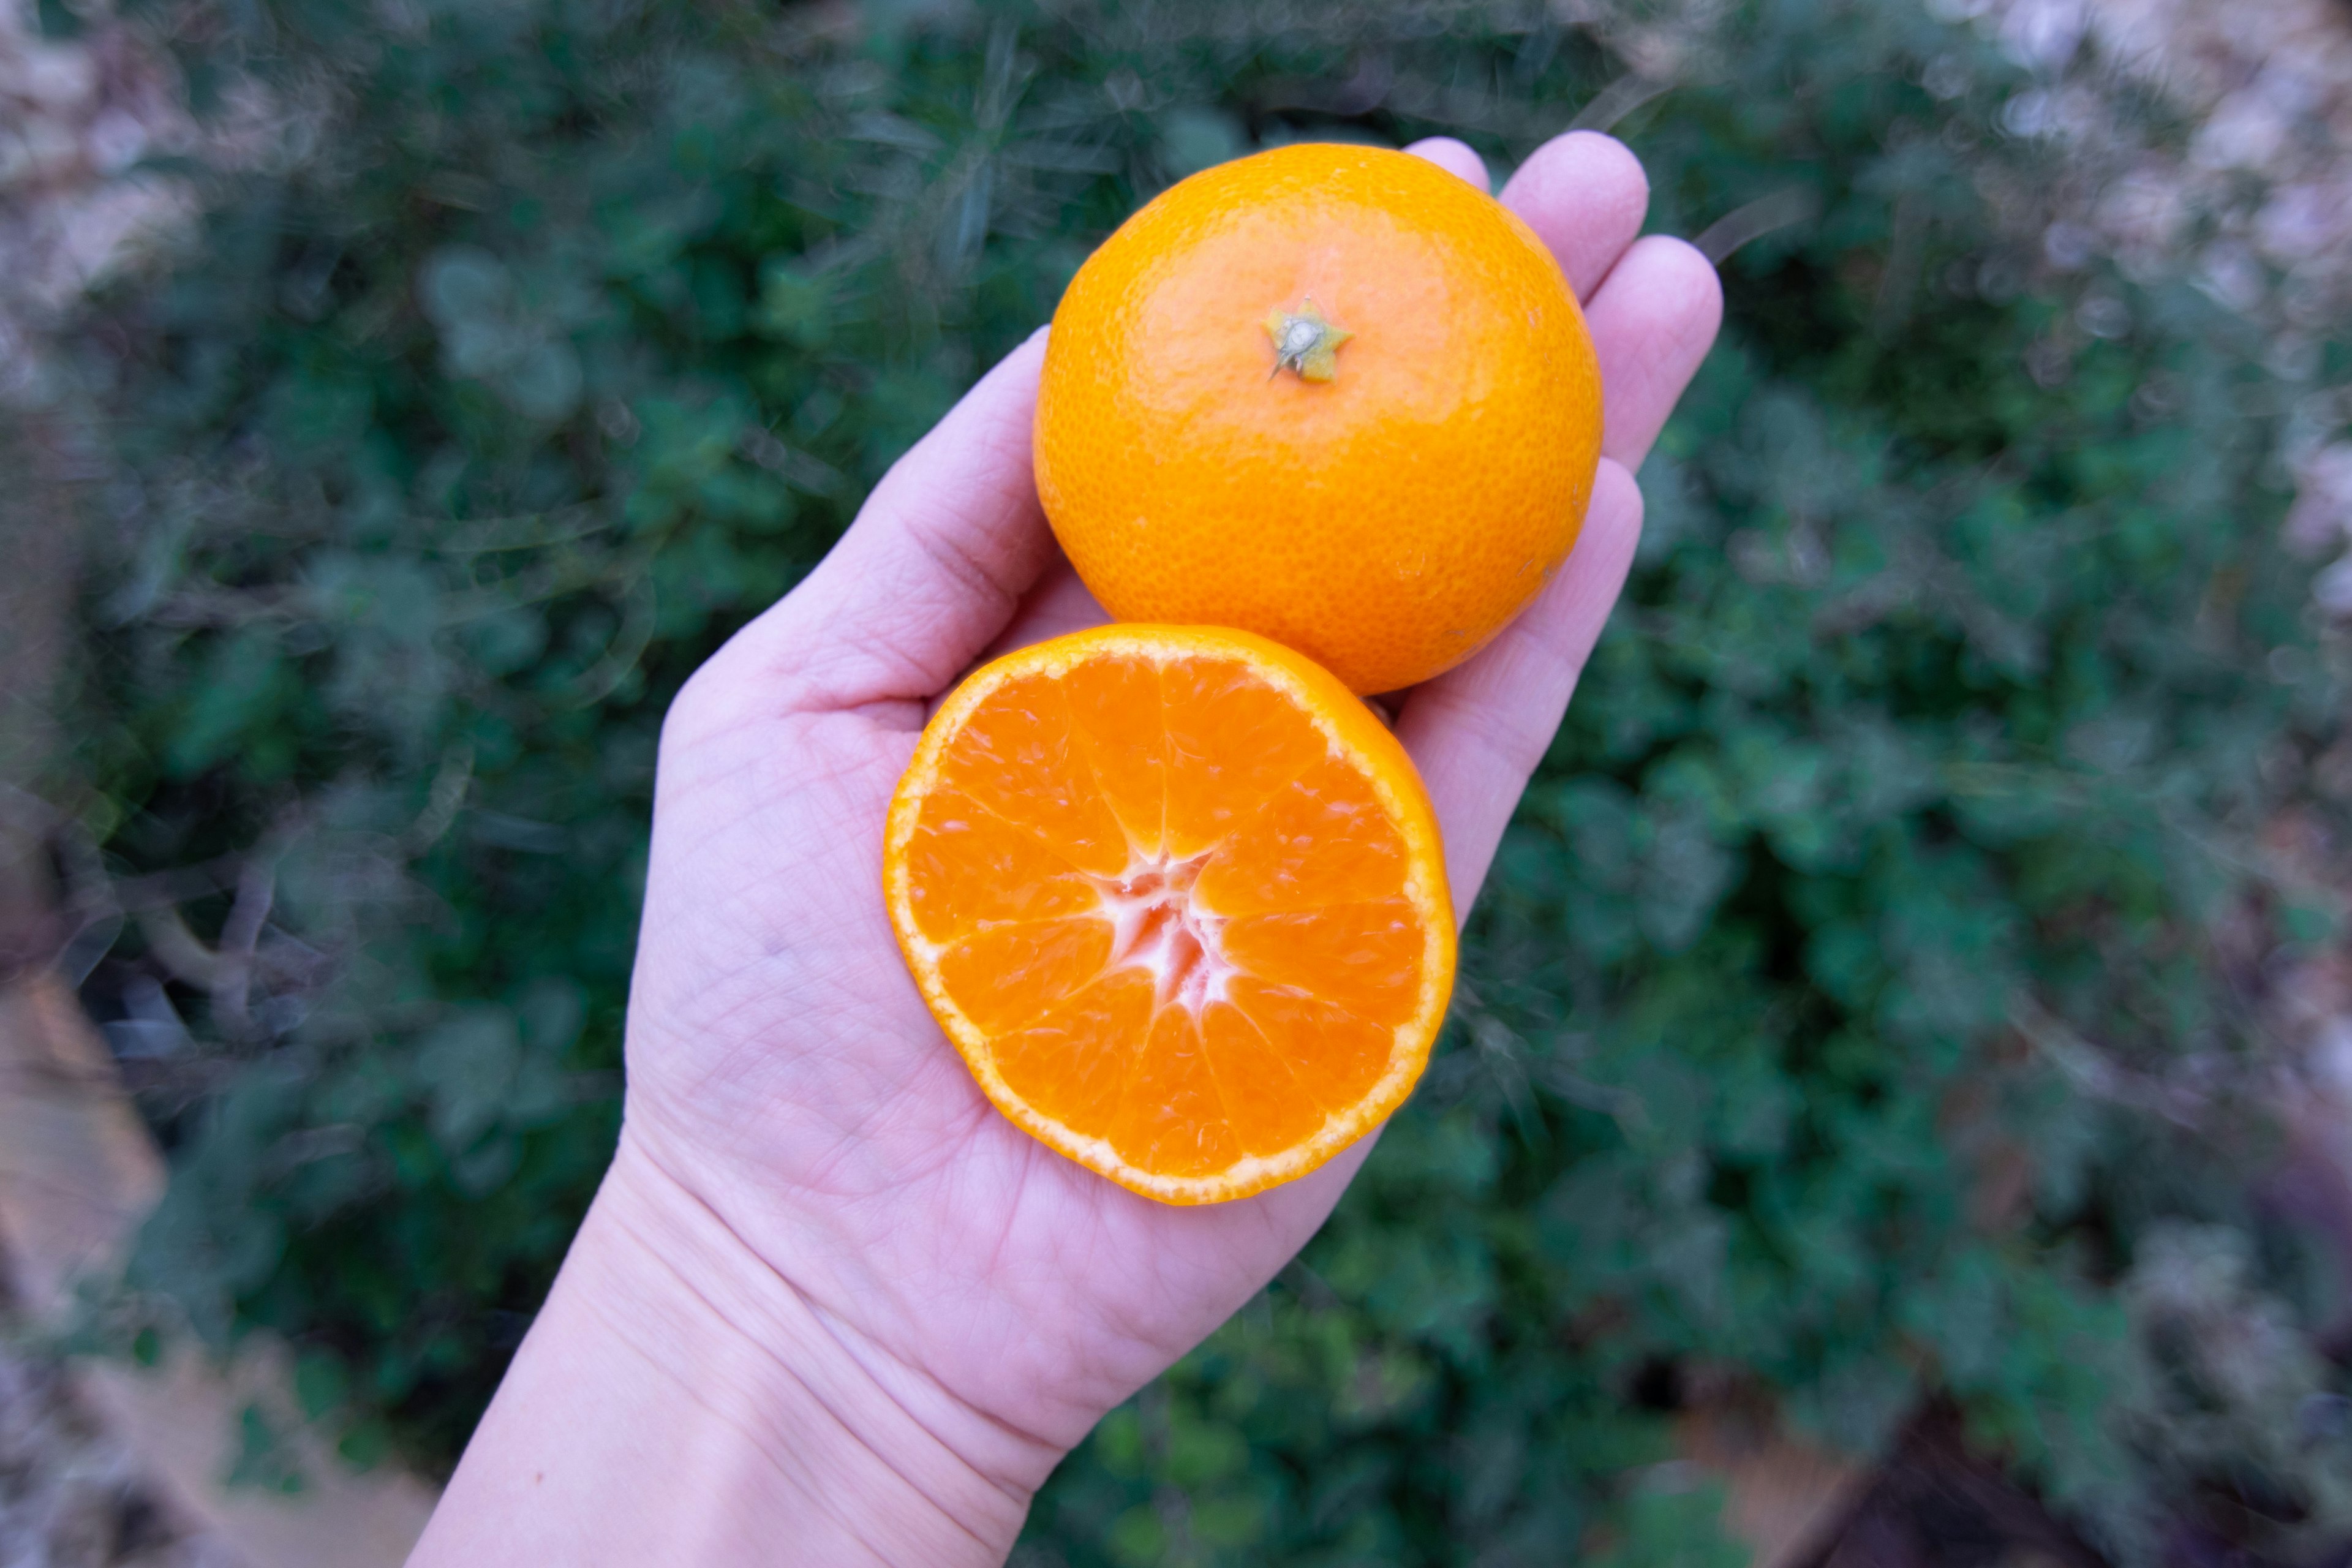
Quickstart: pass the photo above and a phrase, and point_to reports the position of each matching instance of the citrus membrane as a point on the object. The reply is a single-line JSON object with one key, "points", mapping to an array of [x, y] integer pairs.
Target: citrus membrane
{"points": [[1178, 900]]}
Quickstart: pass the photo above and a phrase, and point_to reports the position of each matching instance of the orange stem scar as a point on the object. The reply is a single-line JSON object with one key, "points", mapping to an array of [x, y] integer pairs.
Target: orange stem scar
{"points": [[1306, 341]]}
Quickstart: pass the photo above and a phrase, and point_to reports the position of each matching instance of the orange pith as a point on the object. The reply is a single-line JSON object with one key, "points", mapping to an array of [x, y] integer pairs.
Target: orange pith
{"points": [[1178, 900], [1383, 497]]}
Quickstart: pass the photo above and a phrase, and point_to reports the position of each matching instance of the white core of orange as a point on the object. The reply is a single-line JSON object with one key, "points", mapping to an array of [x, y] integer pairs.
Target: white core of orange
{"points": [[1158, 925]]}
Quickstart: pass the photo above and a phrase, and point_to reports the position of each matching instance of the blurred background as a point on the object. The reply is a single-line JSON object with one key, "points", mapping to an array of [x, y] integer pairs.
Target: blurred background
{"points": [[1898, 1107]]}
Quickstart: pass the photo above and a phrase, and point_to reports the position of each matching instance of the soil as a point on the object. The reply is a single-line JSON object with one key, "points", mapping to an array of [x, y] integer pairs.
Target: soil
{"points": [[71, 1496]]}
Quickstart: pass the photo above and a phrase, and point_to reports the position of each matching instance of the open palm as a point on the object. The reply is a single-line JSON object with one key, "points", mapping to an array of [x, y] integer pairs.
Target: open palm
{"points": [[784, 1077]]}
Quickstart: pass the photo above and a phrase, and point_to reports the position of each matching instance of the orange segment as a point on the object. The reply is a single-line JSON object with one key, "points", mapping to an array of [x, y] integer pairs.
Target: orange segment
{"points": [[971, 867], [1006, 975], [1020, 760], [1178, 900], [1340, 1056], [1268, 1108], [1232, 743], [1172, 1120], [1115, 704], [1073, 1064], [1363, 957], [1323, 839]]}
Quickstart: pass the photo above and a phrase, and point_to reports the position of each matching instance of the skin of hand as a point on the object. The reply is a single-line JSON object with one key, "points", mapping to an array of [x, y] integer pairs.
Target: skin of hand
{"points": [[829, 1306]]}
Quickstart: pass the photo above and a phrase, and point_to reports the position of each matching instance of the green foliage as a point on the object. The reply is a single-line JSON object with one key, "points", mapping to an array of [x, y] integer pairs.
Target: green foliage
{"points": [[1891, 831]]}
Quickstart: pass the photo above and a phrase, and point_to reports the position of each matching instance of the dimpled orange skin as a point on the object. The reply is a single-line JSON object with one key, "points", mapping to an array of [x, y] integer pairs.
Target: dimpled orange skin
{"points": [[1387, 523]]}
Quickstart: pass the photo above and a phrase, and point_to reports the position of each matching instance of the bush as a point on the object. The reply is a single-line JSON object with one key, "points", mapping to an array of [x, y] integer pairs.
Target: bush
{"points": [[1856, 1011]]}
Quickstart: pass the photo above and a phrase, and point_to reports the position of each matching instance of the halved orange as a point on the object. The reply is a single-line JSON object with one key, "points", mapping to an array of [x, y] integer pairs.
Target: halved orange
{"points": [[1178, 900]]}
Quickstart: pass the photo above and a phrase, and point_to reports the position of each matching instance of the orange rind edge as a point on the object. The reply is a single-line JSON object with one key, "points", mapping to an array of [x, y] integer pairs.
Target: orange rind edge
{"points": [[1352, 731]]}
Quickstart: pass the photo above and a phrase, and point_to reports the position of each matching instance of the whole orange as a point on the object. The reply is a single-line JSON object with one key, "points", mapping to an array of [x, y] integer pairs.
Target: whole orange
{"points": [[1334, 395]]}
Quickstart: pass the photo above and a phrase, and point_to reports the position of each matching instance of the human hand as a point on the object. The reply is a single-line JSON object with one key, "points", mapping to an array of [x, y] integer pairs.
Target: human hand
{"points": [[817, 1236]]}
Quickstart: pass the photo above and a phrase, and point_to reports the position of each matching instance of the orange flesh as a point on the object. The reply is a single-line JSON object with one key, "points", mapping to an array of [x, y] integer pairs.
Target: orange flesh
{"points": [[1181, 915]]}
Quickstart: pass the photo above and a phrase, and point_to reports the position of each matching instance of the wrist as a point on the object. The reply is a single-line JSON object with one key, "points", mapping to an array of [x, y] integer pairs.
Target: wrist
{"points": [[680, 1400]]}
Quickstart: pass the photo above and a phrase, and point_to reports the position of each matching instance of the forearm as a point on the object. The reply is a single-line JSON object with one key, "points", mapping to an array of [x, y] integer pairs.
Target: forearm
{"points": [[677, 1402]]}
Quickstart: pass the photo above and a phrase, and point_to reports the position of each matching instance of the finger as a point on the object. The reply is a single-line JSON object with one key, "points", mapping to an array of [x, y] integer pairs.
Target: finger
{"points": [[931, 570], [1059, 603], [1456, 157], [1651, 324], [1296, 1210], [1478, 730], [1585, 195]]}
